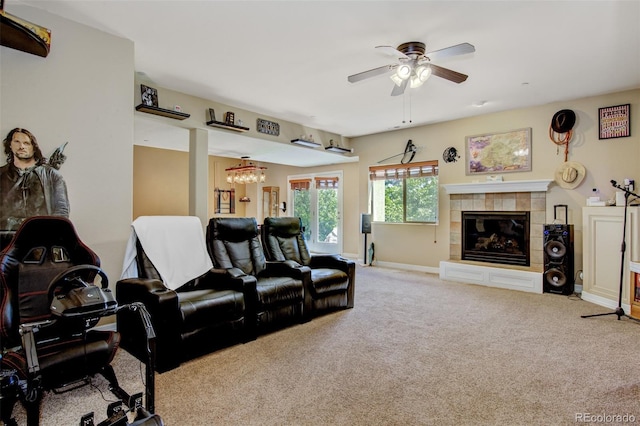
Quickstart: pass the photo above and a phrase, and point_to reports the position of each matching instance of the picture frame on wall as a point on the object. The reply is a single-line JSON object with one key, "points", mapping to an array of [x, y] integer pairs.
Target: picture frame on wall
{"points": [[225, 201], [495, 153], [614, 121]]}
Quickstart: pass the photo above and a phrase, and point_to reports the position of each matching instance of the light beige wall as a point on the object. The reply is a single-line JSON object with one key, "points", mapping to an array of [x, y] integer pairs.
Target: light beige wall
{"points": [[198, 109], [80, 93], [161, 182], [427, 245], [161, 187]]}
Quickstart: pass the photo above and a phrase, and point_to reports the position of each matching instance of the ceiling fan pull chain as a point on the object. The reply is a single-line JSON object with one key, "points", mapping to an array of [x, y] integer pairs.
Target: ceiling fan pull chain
{"points": [[410, 111], [404, 108]]}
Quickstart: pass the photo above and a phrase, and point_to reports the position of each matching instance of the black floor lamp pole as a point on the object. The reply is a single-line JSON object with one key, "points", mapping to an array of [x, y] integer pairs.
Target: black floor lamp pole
{"points": [[623, 248]]}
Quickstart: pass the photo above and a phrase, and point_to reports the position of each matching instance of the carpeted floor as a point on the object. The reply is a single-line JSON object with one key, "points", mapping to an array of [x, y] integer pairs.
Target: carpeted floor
{"points": [[415, 350]]}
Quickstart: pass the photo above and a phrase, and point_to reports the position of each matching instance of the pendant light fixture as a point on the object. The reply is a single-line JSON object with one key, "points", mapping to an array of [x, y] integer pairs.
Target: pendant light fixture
{"points": [[246, 172]]}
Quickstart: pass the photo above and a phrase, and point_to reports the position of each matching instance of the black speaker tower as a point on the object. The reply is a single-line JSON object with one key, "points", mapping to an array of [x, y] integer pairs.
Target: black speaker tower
{"points": [[558, 254]]}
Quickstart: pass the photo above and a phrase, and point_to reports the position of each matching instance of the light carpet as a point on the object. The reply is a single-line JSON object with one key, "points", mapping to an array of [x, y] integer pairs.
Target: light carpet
{"points": [[415, 350]]}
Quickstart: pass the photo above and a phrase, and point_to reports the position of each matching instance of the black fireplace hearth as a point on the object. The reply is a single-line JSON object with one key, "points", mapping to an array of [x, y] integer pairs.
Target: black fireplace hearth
{"points": [[496, 237]]}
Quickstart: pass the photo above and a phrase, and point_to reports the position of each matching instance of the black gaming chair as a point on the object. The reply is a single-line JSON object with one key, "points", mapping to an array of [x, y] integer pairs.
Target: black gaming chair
{"points": [[48, 352]]}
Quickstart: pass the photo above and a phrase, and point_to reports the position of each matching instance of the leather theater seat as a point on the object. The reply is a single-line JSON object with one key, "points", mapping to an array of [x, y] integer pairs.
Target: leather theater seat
{"points": [[332, 283], [234, 245], [194, 308]]}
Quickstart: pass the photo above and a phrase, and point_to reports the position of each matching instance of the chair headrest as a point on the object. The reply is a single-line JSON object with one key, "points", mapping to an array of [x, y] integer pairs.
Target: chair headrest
{"points": [[282, 226], [50, 231], [233, 228]]}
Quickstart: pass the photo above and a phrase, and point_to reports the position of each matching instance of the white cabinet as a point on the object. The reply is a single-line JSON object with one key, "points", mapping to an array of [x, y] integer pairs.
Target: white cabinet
{"points": [[602, 250]]}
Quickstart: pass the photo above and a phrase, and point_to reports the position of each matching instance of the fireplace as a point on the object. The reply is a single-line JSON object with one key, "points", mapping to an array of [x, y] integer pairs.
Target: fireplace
{"points": [[497, 198], [496, 237]]}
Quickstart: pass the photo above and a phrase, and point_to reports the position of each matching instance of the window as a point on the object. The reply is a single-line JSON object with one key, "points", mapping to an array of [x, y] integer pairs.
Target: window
{"points": [[302, 203], [405, 193]]}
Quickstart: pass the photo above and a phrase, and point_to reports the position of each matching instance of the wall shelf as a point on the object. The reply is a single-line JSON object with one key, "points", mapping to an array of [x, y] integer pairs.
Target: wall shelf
{"points": [[307, 143], [338, 149], [223, 125], [150, 109]]}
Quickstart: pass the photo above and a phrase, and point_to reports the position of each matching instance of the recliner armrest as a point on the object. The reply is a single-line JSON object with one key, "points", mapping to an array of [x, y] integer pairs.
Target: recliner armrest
{"points": [[333, 261], [158, 299], [225, 279], [247, 285], [164, 309], [338, 262], [287, 268]]}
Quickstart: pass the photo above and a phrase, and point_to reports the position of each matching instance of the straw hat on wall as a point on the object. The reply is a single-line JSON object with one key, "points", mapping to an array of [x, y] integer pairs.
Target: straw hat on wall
{"points": [[570, 174]]}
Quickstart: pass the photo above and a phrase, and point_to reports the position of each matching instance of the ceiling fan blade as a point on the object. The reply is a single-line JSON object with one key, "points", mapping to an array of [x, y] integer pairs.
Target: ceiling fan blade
{"points": [[370, 73], [448, 74], [399, 90], [458, 49], [392, 51]]}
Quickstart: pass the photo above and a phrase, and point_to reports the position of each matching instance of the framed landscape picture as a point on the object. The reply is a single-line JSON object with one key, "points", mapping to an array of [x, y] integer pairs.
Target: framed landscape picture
{"points": [[495, 153], [614, 121]]}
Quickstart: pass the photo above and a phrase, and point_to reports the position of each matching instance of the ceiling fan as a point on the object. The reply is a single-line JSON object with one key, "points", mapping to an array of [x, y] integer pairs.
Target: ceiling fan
{"points": [[414, 65]]}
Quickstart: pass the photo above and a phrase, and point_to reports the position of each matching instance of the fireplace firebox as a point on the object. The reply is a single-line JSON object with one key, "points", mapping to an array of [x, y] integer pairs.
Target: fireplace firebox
{"points": [[496, 237]]}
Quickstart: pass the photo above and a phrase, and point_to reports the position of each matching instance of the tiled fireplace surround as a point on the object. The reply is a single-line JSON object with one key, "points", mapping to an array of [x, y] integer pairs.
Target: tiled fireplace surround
{"points": [[497, 196]]}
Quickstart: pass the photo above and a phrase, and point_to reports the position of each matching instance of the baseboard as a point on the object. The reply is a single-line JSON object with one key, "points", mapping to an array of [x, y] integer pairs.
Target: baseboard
{"points": [[603, 301], [406, 267], [512, 279]]}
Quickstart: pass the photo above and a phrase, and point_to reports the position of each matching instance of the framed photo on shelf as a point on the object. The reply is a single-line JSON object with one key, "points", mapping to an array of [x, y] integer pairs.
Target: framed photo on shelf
{"points": [[149, 95], [212, 114], [614, 121], [495, 153]]}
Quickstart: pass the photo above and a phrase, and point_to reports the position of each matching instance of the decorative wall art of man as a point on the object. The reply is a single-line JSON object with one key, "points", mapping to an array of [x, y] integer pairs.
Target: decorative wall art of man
{"points": [[30, 185]]}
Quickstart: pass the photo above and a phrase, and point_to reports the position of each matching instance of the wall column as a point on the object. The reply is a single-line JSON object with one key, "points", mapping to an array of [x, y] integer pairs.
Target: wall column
{"points": [[199, 174]]}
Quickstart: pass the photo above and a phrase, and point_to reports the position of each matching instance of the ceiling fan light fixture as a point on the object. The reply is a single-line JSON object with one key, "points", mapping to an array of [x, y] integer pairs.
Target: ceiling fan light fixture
{"points": [[404, 71], [423, 72], [415, 82]]}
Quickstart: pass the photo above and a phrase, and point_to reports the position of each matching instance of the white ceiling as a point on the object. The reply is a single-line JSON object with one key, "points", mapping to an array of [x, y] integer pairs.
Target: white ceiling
{"points": [[290, 59]]}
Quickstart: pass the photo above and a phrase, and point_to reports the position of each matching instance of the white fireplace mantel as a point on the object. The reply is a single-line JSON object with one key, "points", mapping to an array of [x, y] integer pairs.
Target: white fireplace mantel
{"points": [[540, 185]]}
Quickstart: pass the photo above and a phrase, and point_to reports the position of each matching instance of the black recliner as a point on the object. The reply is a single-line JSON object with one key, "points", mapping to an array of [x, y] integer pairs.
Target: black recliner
{"points": [[332, 283], [194, 308], [234, 245], [45, 351]]}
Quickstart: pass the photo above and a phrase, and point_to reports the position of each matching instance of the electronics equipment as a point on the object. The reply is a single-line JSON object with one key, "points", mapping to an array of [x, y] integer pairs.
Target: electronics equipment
{"points": [[365, 228], [74, 296], [558, 259], [365, 223], [84, 301]]}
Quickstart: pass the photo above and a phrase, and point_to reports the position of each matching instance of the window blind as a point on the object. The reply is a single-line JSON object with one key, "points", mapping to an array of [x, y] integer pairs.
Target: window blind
{"points": [[403, 171]]}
